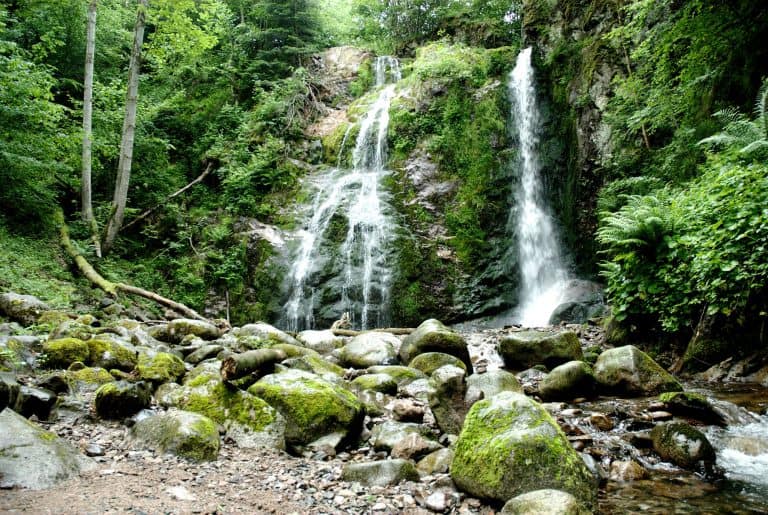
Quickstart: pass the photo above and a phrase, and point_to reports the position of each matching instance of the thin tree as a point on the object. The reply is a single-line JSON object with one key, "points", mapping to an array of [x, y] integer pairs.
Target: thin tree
{"points": [[85, 187], [123, 177]]}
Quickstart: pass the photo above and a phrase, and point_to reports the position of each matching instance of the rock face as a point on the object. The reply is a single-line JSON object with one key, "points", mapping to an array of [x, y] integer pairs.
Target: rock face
{"points": [[33, 458], [525, 349], [380, 473], [24, 309], [311, 406], [121, 399], [433, 336], [370, 349], [510, 446], [544, 502], [682, 444], [182, 433], [568, 381], [630, 371]]}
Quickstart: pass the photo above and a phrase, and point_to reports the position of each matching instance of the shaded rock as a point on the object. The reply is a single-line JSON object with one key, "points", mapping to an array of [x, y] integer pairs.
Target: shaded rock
{"points": [[380, 473], [447, 398], [682, 444], [421, 389], [485, 386], [510, 445], [628, 370], [311, 406], [376, 382], [109, 354], [627, 471], [431, 361], [203, 353], [414, 446], [160, 367], [437, 462], [9, 390], [584, 301], [56, 382], [181, 433], [525, 349], [544, 502], [407, 410], [692, 405], [63, 352], [323, 342], [375, 403], [35, 401], [121, 399], [24, 309], [403, 375], [33, 458], [568, 381], [370, 349], [433, 336], [386, 436]]}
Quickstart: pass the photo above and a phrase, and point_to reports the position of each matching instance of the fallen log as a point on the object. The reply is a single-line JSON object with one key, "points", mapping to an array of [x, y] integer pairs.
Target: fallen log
{"points": [[398, 331], [112, 288], [259, 361]]}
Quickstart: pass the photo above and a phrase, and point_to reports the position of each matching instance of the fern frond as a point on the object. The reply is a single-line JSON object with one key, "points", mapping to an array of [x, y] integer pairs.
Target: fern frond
{"points": [[761, 107], [758, 147], [729, 115]]}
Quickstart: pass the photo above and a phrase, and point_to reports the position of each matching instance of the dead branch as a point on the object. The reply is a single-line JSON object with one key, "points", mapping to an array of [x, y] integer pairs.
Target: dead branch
{"points": [[392, 330]]}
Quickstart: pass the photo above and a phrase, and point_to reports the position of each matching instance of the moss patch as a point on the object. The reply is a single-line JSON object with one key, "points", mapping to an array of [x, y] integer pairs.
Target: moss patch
{"points": [[63, 352]]}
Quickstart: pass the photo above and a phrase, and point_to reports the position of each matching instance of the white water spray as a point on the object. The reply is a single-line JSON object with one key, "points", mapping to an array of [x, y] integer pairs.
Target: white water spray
{"points": [[543, 274], [356, 194]]}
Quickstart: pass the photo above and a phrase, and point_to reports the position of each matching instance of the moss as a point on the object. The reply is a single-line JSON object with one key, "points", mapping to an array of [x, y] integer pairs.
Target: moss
{"points": [[403, 375], [431, 361], [91, 375], [160, 368], [109, 354], [686, 396], [65, 351], [376, 383], [221, 403]]}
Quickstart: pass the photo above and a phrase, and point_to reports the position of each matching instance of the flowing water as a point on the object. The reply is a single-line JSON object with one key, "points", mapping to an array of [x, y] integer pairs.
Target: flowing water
{"points": [[543, 273], [358, 266]]}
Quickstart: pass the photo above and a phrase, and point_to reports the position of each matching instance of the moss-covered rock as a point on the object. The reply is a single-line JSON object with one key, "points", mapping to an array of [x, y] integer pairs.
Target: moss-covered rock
{"points": [[447, 398], [321, 341], [370, 349], [110, 354], [316, 365], [682, 444], [525, 349], [431, 361], [265, 332], [380, 473], [485, 386], [90, 376], [160, 367], [182, 433], [181, 328], [121, 399], [568, 381], [403, 375], [437, 462], [693, 405], [510, 445], [375, 383], [65, 351], [433, 336], [312, 406], [628, 370], [24, 309], [548, 501]]}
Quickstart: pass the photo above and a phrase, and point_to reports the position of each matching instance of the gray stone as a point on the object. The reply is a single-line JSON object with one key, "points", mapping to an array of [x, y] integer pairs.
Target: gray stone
{"points": [[121, 399], [485, 386], [568, 381], [380, 473], [181, 433], [176, 330], [525, 349], [447, 399], [630, 371], [433, 336], [437, 462], [265, 332], [9, 390], [682, 444], [203, 353], [370, 349], [33, 458], [544, 502], [25, 309], [414, 446], [35, 401], [323, 342], [387, 435], [431, 361]]}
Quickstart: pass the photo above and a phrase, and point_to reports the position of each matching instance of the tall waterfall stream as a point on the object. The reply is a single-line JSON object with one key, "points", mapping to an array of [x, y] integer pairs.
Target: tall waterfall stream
{"points": [[360, 265]]}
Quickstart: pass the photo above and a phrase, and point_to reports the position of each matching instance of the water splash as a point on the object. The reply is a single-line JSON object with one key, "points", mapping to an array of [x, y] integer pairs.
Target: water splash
{"points": [[543, 273], [364, 274]]}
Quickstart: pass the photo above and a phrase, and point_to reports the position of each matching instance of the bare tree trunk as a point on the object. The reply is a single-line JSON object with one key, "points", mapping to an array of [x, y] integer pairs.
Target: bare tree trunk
{"points": [[85, 187], [129, 128]]}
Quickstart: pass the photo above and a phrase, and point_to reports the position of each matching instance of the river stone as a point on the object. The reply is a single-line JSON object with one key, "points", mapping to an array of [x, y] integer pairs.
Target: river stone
{"points": [[628, 370], [121, 399], [403, 375], [387, 435], [510, 445], [682, 444], [204, 352], [526, 349], [110, 354], [247, 419], [431, 361], [9, 390], [488, 384], [380, 473], [568, 381], [265, 332], [323, 342], [25, 309], [433, 336], [370, 349], [316, 365], [544, 502], [420, 389], [627, 471], [447, 398], [63, 352], [693, 405], [160, 367], [414, 446], [376, 383], [311, 406], [181, 433], [35, 401], [33, 458], [437, 462]]}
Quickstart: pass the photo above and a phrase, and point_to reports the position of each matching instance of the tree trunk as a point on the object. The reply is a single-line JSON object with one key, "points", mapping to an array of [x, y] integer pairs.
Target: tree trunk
{"points": [[85, 187], [398, 331], [260, 360], [123, 177]]}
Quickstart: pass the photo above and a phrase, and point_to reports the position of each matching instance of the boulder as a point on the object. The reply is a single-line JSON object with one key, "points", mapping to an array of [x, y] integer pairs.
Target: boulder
{"points": [[420, 389], [24, 309], [692, 405], [35, 401], [110, 354], [180, 328], [682, 444], [376, 383], [525, 349], [380, 473], [414, 446], [121, 399], [316, 365], [433, 336], [203, 353], [510, 445], [403, 375], [447, 398], [488, 384], [160, 367], [567, 382], [431, 361], [370, 349], [88, 377], [387, 435], [181, 433], [264, 332], [627, 471], [311, 406], [437, 462], [628, 370], [63, 352], [323, 342], [584, 300], [33, 458], [9, 390], [544, 502]]}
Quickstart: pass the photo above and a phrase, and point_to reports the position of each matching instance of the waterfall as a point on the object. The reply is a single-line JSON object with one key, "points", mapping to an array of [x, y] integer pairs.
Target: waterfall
{"points": [[543, 274], [359, 268]]}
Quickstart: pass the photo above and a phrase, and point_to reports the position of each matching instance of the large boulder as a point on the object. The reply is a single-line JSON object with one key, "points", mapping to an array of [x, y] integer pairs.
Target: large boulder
{"points": [[488, 384], [24, 309], [110, 354], [63, 352], [682, 444], [525, 349], [370, 349], [446, 399], [323, 342], [629, 371], [544, 502], [380, 473], [33, 458], [431, 361], [160, 367], [433, 336], [510, 445], [402, 375], [264, 332], [568, 381], [181, 433], [312, 406], [121, 399]]}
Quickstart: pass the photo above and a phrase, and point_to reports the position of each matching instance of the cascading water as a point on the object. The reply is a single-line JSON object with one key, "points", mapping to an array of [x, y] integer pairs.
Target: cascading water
{"points": [[543, 274], [360, 265]]}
